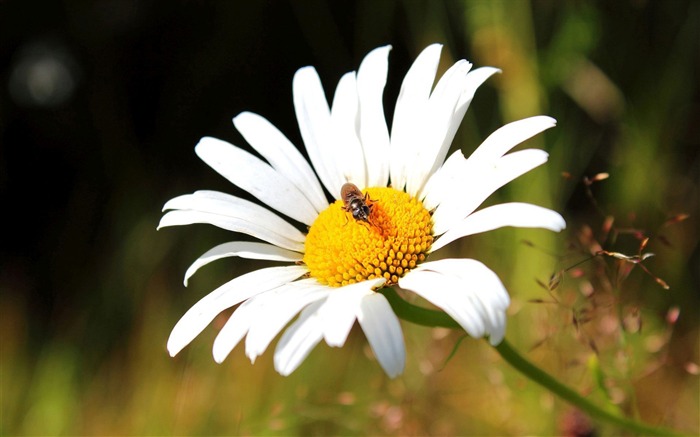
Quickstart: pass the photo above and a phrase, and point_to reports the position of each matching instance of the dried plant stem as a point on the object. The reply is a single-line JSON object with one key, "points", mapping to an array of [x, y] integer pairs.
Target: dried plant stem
{"points": [[427, 317]]}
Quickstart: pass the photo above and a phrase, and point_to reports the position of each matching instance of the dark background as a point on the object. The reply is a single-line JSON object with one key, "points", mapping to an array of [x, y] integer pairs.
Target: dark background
{"points": [[102, 103]]}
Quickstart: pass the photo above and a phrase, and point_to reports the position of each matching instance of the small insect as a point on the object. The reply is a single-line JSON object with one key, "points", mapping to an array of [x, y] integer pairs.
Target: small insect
{"points": [[356, 203]]}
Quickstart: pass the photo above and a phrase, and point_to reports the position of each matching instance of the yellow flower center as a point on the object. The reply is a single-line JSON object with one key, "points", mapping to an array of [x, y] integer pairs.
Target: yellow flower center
{"points": [[342, 250]]}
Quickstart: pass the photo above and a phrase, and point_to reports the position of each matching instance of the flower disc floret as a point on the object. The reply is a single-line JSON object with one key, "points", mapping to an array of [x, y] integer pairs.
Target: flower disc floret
{"points": [[341, 250]]}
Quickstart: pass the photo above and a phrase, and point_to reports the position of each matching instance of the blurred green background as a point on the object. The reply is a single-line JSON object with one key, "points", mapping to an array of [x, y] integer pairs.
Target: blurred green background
{"points": [[102, 103]]}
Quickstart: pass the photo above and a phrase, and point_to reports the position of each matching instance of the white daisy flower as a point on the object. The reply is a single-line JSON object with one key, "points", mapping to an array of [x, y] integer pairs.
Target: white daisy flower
{"points": [[415, 204]]}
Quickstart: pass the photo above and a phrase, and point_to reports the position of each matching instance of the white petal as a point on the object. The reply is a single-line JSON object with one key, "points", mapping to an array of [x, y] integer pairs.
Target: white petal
{"points": [[510, 135], [298, 340], [276, 308], [244, 249], [471, 270], [443, 181], [338, 312], [486, 170], [346, 146], [179, 218], [234, 329], [479, 182], [438, 121], [499, 330], [473, 80], [234, 214], [410, 105], [467, 288], [258, 317], [383, 331], [267, 140], [314, 118], [440, 290], [256, 177], [371, 79], [231, 293], [521, 215]]}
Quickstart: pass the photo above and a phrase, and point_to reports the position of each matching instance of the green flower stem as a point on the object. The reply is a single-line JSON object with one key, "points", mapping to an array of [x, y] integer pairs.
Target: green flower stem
{"points": [[427, 317]]}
